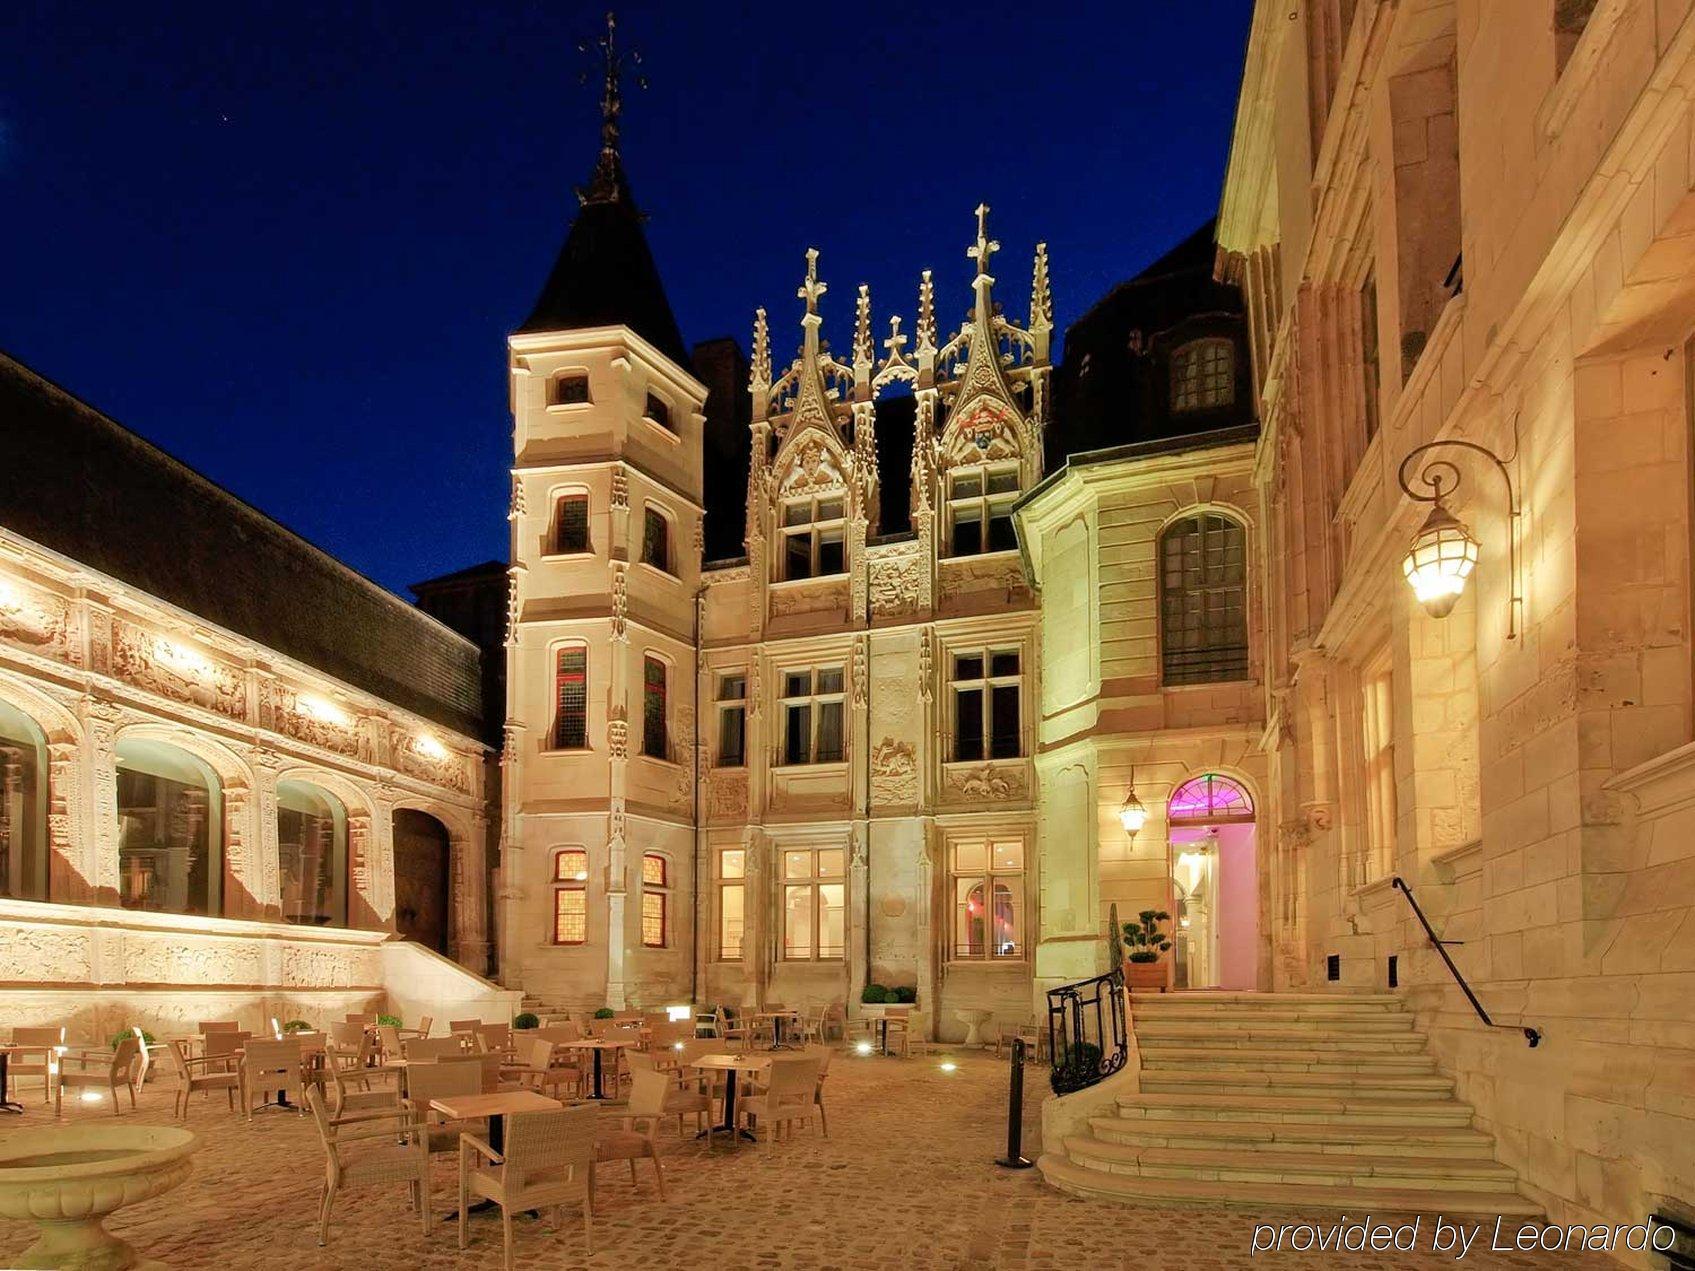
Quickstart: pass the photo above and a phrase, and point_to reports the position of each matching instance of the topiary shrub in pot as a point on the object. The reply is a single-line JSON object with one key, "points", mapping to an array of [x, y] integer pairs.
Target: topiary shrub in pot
{"points": [[526, 1020], [1144, 943], [147, 1038], [874, 994], [905, 994], [388, 1021], [605, 1012]]}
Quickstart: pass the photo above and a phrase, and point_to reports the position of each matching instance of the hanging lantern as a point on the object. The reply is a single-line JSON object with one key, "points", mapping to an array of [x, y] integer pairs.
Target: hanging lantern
{"points": [[1439, 561], [1132, 815]]}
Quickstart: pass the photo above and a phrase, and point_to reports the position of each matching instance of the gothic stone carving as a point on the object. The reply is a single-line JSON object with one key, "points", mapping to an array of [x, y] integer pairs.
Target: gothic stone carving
{"points": [[894, 772], [987, 782], [153, 663], [446, 769], [960, 578], [894, 586], [40, 623], [727, 796], [281, 710], [812, 598]]}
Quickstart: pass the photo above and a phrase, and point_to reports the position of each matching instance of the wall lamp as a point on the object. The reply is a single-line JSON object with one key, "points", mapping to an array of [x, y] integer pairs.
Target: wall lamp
{"points": [[1132, 814], [1443, 553]]}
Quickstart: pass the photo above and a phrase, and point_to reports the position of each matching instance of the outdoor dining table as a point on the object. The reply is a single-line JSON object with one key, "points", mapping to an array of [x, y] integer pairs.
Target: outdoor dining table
{"points": [[598, 1045], [778, 1019], [496, 1107], [7, 1103], [729, 1065]]}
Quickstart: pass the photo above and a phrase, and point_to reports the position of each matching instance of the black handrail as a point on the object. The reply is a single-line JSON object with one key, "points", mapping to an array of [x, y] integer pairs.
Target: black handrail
{"points": [[1088, 1039], [1532, 1035]]}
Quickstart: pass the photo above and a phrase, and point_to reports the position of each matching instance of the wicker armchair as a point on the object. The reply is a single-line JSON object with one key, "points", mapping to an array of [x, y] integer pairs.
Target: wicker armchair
{"points": [[371, 1150], [547, 1162]]}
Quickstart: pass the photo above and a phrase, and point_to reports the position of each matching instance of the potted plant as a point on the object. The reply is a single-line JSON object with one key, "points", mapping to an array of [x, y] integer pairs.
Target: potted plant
{"points": [[1144, 943], [296, 1026], [526, 1020], [605, 1012]]}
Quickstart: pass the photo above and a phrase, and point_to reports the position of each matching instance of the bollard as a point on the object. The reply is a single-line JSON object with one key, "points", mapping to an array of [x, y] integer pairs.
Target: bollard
{"points": [[1015, 1158]]}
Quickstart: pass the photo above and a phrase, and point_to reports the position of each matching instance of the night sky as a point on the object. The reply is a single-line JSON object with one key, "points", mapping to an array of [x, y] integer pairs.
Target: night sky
{"points": [[286, 242]]}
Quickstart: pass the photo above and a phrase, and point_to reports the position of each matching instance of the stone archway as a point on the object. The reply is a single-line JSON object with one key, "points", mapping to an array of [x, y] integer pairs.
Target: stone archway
{"points": [[423, 879]]}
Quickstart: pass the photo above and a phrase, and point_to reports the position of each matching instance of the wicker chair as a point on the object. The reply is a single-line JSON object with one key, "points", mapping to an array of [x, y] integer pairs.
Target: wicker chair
{"points": [[36, 1057], [790, 1095], [196, 1073], [428, 1049], [444, 1080], [648, 1090], [389, 1150], [99, 1070], [548, 1161], [269, 1065]]}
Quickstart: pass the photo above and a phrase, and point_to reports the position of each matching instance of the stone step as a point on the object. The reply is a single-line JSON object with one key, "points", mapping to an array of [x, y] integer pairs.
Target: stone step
{"points": [[1270, 1165], [1314, 1003], [1278, 1059], [1297, 1017], [1083, 1181], [1442, 1142], [1340, 996], [1273, 1032], [1246, 1081], [1346, 1109], [1153, 1037]]}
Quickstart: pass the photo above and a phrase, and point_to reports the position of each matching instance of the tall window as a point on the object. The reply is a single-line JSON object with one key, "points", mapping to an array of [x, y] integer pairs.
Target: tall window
{"points": [[732, 899], [657, 410], [988, 899], [653, 709], [569, 388], [812, 537], [986, 686], [571, 525], [812, 716], [980, 503], [23, 806], [571, 699], [732, 720], [170, 814], [312, 854], [656, 540], [1203, 375], [570, 896], [814, 925], [1203, 600], [1377, 735], [656, 901]]}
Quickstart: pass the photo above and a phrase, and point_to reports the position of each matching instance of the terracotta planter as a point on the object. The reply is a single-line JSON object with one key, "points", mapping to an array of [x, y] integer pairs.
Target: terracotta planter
{"points": [[1145, 975]]}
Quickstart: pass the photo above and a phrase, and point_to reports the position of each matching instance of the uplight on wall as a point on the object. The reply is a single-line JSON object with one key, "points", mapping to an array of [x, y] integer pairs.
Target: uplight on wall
{"points": [[322, 710], [184, 659], [429, 747], [1444, 552], [677, 1014]]}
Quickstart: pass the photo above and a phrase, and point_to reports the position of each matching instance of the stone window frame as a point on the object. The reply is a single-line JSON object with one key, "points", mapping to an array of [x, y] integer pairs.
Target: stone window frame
{"points": [[725, 706], [815, 700], [1373, 858], [1221, 660], [987, 877], [985, 682], [555, 529], [986, 508], [555, 734], [814, 881], [657, 411], [656, 886], [27, 778], [568, 388], [815, 530], [664, 559], [574, 883], [656, 726]]}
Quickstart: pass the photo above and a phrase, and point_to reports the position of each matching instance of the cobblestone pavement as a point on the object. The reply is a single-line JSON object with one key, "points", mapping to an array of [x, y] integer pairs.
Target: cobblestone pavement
{"points": [[905, 1180]]}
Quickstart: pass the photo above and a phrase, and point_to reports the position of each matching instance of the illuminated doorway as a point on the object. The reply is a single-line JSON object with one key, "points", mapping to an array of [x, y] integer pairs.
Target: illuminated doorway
{"points": [[1214, 884]]}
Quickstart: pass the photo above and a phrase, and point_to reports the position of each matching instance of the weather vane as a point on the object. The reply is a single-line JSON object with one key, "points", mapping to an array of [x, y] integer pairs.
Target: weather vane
{"points": [[611, 102]]}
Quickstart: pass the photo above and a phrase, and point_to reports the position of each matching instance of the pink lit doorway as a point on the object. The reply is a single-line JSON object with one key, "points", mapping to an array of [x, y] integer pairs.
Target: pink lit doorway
{"points": [[1214, 884]]}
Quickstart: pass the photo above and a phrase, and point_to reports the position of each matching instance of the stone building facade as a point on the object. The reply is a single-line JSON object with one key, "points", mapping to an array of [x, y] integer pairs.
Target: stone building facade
{"points": [[231, 770], [1471, 223]]}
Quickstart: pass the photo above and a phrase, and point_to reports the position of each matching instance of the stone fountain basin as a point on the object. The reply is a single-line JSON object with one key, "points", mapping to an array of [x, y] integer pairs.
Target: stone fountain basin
{"points": [[67, 1178]]}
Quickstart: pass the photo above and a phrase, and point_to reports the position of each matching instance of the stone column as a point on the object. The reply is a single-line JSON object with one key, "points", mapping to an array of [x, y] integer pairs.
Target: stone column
{"points": [[99, 854], [67, 825], [265, 864]]}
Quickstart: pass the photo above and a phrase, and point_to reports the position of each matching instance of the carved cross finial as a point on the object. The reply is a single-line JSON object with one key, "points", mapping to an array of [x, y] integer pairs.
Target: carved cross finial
{"points": [[761, 370], [811, 289], [984, 247], [896, 341], [605, 184]]}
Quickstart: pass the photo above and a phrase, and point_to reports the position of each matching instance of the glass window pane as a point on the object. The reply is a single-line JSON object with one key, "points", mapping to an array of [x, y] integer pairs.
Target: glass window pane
{"points": [[23, 806], [797, 864], [653, 870], [832, 925], [967, 537], [654, 721], [830, 510], [969, 928], [797, 735], [732, 863], [797, 921], [797, 514], [1003, 482], [967, 485], [968, 724], [653, 919], [968, 667], [797, 556], [1009, 855], [1002, 537], [830, 863], [1008, 920], [1004, 740], [730, 902], [571, 706], [829, 732], [167, 831], [732, 737], [970, 858], [570, 866], [1005, 663], [797, 683], [572, 533], [732, 688], [570, 915], [830, 680], [831, 559]]}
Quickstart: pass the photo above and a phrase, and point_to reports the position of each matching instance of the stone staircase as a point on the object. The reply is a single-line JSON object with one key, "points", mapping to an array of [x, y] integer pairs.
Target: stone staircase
{"points": [[1319, 1100], [545, 1011]]}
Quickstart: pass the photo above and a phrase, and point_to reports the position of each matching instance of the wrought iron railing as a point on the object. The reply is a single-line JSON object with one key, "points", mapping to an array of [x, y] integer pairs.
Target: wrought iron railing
{"points": [[1088, 1037], [1531, 1035]]}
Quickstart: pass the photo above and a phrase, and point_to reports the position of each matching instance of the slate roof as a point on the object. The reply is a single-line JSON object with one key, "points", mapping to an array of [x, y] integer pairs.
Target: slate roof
{"points": [[82, 485]]}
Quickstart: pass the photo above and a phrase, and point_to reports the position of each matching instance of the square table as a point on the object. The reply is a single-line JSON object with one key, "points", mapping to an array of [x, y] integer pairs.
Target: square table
{"points": [[778, 1019], [598, 1045], [729, 1065], [496, 1107]]}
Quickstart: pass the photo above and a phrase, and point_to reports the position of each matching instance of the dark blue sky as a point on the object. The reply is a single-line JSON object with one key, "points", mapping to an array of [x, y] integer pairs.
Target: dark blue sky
{"points": [[286, 241]]}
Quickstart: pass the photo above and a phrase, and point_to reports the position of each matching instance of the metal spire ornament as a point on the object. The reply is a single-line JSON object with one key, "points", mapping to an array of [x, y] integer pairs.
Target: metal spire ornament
{"points": [[607, 183]]}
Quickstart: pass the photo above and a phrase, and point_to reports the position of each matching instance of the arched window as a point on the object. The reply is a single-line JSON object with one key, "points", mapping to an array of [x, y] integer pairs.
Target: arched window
{"points": [[656, 901], [979, 512], [312, 855], [656, 539], [1203, 613], [570, 896], [1209, 799], [23, 806], [571, 698], [1203, 375], [170, 823]]}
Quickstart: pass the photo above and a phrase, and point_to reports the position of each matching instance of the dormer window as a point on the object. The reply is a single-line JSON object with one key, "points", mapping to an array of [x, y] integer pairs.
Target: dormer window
{"points": [[569, 388], [658, 411], [1203, 375], [812, 537], [980, 503]]}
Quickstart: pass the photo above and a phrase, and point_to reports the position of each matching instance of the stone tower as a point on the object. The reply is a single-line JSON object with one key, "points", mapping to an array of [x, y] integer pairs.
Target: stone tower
{"points": [[597, 848]]}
